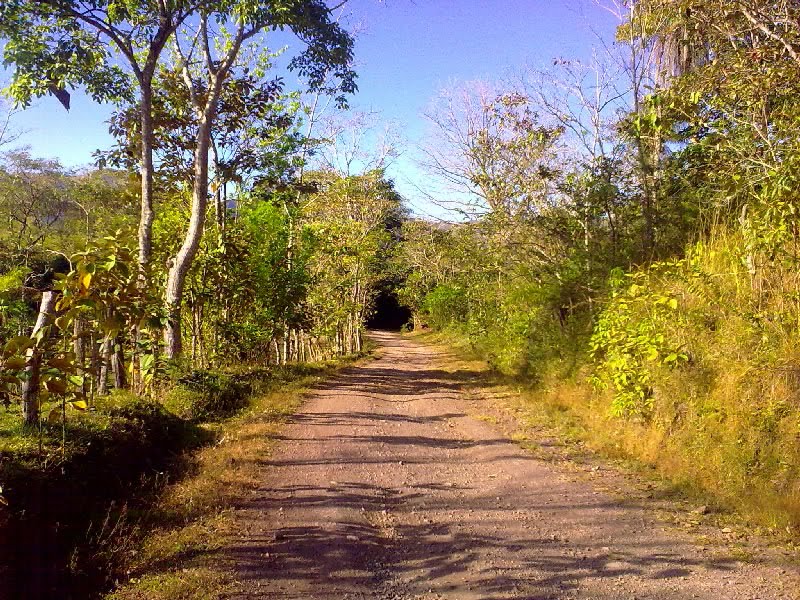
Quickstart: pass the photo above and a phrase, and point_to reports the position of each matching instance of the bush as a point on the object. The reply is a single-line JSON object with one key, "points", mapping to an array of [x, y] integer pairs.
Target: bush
{"points": [[631, 340], [704, 354], [445, 305], [209, 395]]}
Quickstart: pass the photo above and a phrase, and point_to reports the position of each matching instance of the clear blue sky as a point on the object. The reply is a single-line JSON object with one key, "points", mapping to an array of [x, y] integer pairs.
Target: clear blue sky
{"points": [[408, 50]]}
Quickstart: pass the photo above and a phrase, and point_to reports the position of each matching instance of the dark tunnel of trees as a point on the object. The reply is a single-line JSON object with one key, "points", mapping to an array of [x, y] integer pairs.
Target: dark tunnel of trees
{"points": [[388, 313]]}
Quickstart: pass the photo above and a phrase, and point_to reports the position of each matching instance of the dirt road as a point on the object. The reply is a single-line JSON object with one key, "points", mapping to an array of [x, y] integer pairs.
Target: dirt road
{"points": [[383, 487]]}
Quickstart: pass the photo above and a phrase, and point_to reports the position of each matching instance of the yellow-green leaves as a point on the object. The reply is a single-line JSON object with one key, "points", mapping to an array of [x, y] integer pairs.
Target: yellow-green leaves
{"points": [[630, 339], [14, 363], [17, 345]]}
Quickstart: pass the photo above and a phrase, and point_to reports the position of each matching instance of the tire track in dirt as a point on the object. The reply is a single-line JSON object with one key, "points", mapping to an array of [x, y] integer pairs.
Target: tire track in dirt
{"points": [[383, 487]]}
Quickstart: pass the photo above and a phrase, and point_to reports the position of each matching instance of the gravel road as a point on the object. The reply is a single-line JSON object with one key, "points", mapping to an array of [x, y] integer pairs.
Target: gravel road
{"points": [[384, 487]]}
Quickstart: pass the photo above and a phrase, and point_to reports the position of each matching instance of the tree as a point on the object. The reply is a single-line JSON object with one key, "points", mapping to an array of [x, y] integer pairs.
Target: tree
{"points": [[255, 134], [34, 201], [349, 219], [207, 58], [730, 72], [8, 134], [52, 210], [356, 143], [492, 151], [66, 43]]}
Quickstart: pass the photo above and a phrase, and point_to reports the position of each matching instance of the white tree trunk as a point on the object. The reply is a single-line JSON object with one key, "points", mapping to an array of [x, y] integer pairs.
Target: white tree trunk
{"points": [[30, 387], [191, 242]]}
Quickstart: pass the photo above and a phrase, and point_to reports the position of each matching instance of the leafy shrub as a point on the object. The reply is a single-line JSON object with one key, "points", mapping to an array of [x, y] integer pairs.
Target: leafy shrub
{"points": [[445, 305], [630, 339], [146, 419], [209, 395]]}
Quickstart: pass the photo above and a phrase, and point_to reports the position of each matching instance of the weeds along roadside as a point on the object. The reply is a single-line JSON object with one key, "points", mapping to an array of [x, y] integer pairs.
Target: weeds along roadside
{"points": [[85, 515]]}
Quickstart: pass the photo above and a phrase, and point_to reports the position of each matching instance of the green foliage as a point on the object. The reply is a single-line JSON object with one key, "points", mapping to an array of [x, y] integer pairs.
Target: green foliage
{"points": [[208, 395], [630, 342], [50, 50], [446, 305], [690, 346]]}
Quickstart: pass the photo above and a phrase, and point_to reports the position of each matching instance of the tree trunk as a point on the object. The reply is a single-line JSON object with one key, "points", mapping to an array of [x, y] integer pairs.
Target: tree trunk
{"points": [[79, 346], [105, 358], [30, 387], [183, 260], [219, 210], [118, 364], [194, 336], [146, 171]]}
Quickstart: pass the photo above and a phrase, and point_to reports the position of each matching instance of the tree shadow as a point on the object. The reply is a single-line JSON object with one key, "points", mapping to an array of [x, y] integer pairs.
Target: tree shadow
{"points": [[356, 554], [382, 381]]}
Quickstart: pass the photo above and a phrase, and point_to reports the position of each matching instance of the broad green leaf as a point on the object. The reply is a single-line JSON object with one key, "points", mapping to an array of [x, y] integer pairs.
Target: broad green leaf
{"points": [[18, 344], [56, 386], [54, 416], [76, 380]]}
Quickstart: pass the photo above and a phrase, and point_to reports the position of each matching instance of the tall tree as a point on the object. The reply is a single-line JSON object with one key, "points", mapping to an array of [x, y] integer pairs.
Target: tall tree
{"points": [[208, 56], [100, 46], [730, 73], [490, 148]]}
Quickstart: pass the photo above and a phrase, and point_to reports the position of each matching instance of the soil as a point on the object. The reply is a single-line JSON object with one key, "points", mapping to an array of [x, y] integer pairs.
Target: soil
{"points": [[386, 486]]}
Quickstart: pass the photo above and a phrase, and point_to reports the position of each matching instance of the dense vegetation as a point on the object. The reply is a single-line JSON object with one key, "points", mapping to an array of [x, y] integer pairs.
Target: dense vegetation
{"points": [[210, 250], [632, 241]]}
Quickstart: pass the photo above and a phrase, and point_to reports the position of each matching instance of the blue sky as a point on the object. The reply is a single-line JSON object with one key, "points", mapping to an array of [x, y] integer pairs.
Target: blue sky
{"points": [[406, 52]]}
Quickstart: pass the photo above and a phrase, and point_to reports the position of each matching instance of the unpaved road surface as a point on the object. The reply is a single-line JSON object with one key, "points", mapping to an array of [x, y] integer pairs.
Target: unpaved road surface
{"points": [[383, 487]]}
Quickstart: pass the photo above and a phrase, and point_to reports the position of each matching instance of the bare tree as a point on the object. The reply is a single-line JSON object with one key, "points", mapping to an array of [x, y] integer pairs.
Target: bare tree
{"points": [[357, 142], [490, 151], [8, 134], [638, 61], [584, 100]]}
